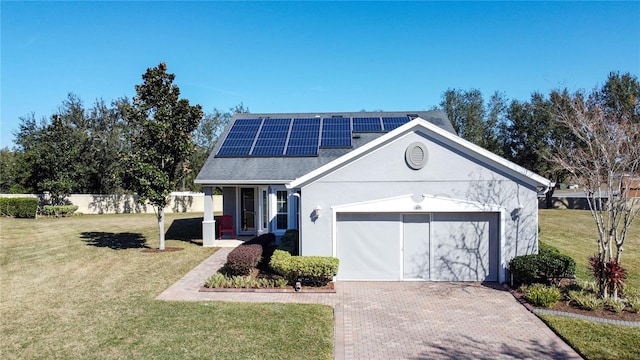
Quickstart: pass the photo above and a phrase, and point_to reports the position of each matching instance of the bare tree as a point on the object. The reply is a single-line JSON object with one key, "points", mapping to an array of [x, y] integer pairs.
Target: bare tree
{"points": [[604, 157]]}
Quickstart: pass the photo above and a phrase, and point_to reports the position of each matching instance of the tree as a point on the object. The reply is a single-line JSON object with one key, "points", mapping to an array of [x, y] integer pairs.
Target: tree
{"points": [[161, 124], [471, 119], [620, 95], [205, 138], [603, 156]]}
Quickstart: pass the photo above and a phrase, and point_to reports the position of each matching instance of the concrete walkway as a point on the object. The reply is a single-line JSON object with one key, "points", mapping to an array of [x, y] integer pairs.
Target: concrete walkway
{"points": [[408, 320]]}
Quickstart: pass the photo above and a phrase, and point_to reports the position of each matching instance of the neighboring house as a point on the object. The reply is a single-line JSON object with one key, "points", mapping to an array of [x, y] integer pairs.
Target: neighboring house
{"points": [[393, 195]]}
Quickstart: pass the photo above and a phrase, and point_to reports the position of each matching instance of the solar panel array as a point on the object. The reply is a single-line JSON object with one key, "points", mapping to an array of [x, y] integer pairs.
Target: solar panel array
{"points": [[299, 136]]}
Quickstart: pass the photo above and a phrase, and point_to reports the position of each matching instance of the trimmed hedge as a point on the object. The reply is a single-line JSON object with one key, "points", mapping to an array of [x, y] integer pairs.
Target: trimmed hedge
{"points": [[263, 240], [549, 264], [289, 242], [58, 210], [243, 259], [20, 207], [268, 243], [319, 270]]}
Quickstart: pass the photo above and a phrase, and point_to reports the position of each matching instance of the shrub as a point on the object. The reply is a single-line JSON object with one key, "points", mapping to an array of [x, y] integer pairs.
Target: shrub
{"points": [[268, 244], [614, 305], [22, 207], [634, 304], [542, 295], [289, 242], [243, 259], [548, 265], [318, 270], [524, 269], [586, 301], [263, 240], [611, 272], [58, 210], [219, 280]]}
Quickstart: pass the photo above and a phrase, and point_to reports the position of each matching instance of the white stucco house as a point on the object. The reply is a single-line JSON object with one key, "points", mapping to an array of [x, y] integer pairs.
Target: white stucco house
{"points": [[393, 195]]}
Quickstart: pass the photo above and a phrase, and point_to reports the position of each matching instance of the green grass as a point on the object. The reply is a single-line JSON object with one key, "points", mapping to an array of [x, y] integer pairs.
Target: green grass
{"points": [[81, 287], [596, 340], [574, 233]]}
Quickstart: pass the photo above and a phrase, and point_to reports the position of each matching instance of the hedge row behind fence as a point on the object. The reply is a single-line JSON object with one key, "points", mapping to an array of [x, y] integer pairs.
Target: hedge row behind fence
{"points": [[58, 210], [24, 207]]}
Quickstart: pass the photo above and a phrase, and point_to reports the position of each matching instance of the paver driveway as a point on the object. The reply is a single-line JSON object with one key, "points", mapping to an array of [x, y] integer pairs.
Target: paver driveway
{"points": [[410, 320]]}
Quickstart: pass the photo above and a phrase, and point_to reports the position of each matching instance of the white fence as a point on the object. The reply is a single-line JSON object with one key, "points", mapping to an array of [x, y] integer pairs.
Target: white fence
{"points": [[124, 204]]}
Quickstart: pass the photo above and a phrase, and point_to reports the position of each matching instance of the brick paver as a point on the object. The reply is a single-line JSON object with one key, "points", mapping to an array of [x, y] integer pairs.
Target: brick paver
{"points": [[409, 320]]}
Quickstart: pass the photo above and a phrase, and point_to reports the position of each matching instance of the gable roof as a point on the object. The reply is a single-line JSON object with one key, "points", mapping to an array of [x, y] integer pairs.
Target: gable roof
{"points": [[474, 151], [279, 169]]}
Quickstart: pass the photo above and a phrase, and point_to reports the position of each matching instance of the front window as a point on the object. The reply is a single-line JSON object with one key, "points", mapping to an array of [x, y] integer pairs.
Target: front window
{"points": [[282, 205]]}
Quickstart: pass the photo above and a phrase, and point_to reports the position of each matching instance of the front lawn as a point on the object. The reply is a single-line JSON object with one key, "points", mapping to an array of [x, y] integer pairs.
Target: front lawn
{"points": [[81, 287], [573, 232]]}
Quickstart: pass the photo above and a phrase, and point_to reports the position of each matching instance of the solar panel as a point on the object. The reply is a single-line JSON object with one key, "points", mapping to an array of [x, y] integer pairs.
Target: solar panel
{"points": [[272, 137], [304, 137], [391, 123], [336, 133], [368, 124], [240, 138]]}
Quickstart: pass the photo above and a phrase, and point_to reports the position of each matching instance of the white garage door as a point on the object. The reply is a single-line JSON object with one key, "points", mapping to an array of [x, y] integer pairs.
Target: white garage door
{"points": [[439, 247]]}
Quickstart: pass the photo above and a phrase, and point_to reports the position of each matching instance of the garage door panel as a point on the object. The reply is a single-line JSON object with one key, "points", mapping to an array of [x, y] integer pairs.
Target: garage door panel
{"points": [[415, 249], [367, 246], [465, 247]]}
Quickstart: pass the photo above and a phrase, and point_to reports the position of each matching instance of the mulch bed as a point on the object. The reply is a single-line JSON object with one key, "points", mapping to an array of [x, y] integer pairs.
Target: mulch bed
{"points": [[564, 306], [327, 289], [166, 249]]}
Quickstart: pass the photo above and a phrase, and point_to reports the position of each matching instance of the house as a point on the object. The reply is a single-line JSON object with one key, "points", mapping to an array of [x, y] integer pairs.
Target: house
{"points": [[393, 195]]}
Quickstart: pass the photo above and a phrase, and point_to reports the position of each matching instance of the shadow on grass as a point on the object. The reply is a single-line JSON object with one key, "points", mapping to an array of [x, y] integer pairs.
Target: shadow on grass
{"points": [[115, 241], [189, 230]]}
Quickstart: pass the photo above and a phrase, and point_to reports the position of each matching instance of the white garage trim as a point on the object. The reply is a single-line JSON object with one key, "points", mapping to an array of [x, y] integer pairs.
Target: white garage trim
{"points": [[406, 204]]}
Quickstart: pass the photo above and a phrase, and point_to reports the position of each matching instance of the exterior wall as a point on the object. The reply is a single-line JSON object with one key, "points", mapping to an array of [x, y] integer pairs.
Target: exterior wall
{"points": [[229, 206], [123, 204], [383, 173]]}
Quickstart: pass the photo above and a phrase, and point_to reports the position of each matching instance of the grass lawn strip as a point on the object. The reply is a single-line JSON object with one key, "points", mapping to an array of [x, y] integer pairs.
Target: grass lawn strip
{"points": [[597, 340], [573, 232], [69, 295]]}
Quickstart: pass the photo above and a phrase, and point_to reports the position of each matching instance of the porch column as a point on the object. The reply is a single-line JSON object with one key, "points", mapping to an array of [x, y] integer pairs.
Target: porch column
{"points": [[208, 223]]}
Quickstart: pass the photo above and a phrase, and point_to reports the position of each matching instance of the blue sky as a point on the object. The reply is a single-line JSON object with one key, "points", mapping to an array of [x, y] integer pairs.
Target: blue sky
{"points": [[308, 56]]}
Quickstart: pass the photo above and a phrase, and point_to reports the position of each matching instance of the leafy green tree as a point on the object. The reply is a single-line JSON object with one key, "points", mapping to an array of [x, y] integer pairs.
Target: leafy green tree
{"points": [[8, 168], [205, 138], [472, 120], [162, 124], [620, 95], [53, 152]]}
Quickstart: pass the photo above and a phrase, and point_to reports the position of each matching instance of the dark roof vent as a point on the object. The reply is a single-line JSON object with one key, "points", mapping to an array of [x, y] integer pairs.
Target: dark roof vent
{"points": [[412, 116]]}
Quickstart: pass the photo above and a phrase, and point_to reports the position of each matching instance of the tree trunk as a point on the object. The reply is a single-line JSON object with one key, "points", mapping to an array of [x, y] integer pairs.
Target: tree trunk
{"points": [[161, 226], [549, 198]]}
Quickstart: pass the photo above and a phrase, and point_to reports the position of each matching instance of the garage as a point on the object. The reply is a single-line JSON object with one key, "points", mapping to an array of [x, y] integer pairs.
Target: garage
{"points": [[418, 246]]}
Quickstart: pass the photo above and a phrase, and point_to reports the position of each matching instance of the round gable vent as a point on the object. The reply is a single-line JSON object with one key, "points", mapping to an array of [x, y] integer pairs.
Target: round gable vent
{"points": [[416, 155]]}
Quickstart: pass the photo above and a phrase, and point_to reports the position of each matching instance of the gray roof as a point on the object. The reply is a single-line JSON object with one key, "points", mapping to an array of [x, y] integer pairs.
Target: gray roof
{"points": [[281, 170]]}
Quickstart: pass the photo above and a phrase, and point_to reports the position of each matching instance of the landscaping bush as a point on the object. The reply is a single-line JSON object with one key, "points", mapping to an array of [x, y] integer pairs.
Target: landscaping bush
{"points": [[268, 244], [243, 259], [58, 210], [289, 242], [542, 295], [549, 264], [586, 301], [23, 207], [219, 280], [614, 305], [263, 240], [318, 270]]}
